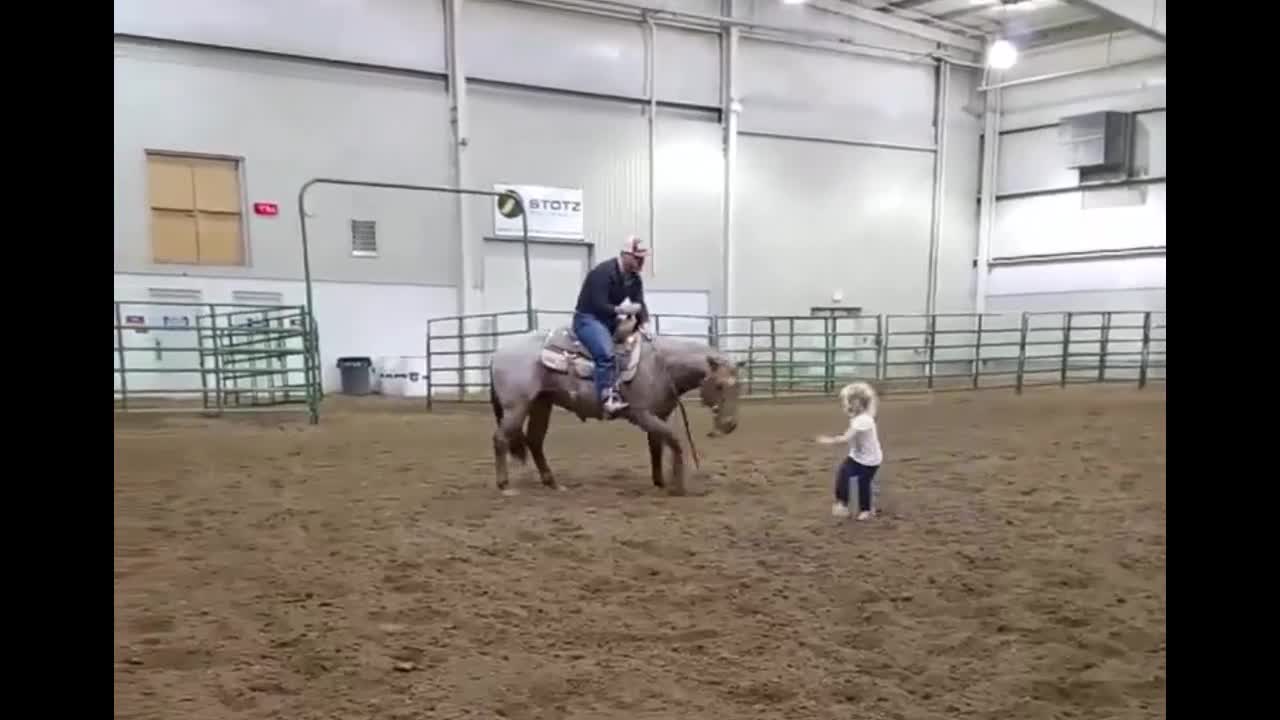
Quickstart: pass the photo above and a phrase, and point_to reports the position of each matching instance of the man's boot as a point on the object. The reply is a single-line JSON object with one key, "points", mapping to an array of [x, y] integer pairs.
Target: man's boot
{"points": [[613, 403]]}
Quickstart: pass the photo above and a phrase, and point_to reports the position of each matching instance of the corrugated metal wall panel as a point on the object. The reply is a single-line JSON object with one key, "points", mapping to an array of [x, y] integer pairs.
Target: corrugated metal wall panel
{"points": [[1036, 159], [1075, 222], [1133, 87], [535, 138], [690, 185], [811, 218], [1149, 157], [395, 33], [959, 242], [1140, 299], [688, 67], [1108, 284], [832, 95], [549, 48], [291, 121], [1059, 223]]}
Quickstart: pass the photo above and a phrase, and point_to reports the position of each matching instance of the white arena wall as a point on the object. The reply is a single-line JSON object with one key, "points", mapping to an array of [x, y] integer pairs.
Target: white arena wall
{"points": [[1109, 243], [832, 183]]}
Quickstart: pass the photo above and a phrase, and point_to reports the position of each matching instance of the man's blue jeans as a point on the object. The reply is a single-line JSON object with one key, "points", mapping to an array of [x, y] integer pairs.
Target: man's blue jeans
{"points": [[599, 342]]}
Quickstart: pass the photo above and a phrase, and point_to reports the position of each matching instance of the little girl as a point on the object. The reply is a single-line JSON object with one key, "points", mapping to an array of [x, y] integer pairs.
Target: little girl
{"points": [[860, 403]]}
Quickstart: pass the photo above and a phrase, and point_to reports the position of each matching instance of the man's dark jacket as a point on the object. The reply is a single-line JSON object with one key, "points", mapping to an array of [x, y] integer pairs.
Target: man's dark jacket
{"points": [[605, 287]]}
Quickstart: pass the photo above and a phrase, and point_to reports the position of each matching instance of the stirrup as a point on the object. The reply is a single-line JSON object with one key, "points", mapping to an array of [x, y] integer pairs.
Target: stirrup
{"points": [[613, 405]]}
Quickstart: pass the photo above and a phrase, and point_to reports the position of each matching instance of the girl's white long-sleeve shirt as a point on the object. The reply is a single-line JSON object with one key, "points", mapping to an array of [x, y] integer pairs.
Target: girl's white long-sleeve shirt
{"points": [[864, 440]]}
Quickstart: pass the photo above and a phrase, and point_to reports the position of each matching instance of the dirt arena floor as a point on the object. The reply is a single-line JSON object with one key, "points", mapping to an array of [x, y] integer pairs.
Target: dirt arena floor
{"points": [[366, 568]]}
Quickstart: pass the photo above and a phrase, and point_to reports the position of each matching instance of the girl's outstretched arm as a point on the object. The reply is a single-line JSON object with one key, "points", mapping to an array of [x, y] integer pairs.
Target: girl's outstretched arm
{"points": [[834, 439]]}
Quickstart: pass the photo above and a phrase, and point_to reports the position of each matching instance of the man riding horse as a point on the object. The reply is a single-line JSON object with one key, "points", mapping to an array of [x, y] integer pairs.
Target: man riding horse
{"points": [[528, 377], [613, 289]]}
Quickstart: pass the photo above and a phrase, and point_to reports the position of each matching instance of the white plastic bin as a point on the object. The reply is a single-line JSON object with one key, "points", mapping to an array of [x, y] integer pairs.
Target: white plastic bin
{"points": [[414, 381], [386, 381]]}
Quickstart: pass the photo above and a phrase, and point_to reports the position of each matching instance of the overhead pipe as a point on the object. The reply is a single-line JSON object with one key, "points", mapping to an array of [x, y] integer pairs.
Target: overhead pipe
{"points": [[1070, 73], [1084, 187], [877, 52], [1078, 256], [613, 14], [744, 24], [783, 34], [959, 62], [1053, 126], [900, 24], [941, 116], [840, 141]]}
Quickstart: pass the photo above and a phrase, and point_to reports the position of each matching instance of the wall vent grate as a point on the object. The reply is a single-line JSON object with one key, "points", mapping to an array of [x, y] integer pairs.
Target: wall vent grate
{"points": [[174, 295], [364, 238], [257, 297]]}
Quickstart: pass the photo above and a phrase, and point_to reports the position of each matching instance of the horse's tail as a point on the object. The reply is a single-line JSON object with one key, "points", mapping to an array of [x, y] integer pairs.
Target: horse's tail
{"points": [[515, 440]]}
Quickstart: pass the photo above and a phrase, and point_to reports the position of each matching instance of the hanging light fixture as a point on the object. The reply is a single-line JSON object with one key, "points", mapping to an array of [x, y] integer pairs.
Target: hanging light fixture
{"points": [[1002, 55]]}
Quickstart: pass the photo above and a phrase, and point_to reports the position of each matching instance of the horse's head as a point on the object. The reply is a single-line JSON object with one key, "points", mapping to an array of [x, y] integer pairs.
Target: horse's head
{"points": [[719, 390]]}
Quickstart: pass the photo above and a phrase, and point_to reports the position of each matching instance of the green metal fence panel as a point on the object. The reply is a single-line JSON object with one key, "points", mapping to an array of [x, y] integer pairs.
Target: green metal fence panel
{"points": [[226, 357], [801, 355], [214, 358]]}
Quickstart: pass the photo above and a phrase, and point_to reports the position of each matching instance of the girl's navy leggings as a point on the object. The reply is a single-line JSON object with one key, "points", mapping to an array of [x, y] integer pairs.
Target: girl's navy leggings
{"points": [[848, 470]]}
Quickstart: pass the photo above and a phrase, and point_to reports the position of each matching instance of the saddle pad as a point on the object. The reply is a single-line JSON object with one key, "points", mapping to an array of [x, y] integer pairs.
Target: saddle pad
{"points": [[563, 353]]}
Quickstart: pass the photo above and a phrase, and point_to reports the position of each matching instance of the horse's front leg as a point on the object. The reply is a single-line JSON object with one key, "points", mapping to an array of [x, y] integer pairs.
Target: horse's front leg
{"points": [[654, 425], [655, 455], [655, 459]]}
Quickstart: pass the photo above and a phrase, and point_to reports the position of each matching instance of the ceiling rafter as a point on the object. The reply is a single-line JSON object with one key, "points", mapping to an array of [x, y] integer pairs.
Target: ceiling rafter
{"points": [[899, 24]]}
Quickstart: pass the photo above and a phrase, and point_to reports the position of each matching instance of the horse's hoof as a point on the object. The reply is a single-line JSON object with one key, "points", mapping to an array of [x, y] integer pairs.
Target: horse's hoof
{"points": [[560, 488], [676, 491], [510, 492]]}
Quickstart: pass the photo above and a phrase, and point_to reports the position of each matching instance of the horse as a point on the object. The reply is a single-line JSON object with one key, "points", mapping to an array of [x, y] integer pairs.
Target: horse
{"points": [[545, 369]]}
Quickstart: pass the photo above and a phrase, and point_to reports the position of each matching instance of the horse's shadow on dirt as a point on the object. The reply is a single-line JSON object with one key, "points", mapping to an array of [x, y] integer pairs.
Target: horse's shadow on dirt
{"points": [[624, 483]]}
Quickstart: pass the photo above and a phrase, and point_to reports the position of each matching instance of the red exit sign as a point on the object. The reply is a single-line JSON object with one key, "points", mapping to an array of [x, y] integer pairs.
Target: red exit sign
{"points": [[265, 208]]}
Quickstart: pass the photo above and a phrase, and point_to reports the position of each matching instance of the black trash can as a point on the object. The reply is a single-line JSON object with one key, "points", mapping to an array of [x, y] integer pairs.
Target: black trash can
{"points": [[357, 375]]}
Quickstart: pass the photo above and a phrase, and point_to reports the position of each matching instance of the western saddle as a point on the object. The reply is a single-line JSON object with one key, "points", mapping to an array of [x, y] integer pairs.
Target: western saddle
{"points": [[562, 352]]}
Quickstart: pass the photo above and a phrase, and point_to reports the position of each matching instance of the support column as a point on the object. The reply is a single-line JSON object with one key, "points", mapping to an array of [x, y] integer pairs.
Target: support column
{"points": [[730, 109], [472, 350], [941, 116], [651, 73], [987, 203], [458, 119]]}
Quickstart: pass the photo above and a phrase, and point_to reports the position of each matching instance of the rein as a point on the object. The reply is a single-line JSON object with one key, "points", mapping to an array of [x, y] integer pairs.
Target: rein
{"points": [[684, 415]]}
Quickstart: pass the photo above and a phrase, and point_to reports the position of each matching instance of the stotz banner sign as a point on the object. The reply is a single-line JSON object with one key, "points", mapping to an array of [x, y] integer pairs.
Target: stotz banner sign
{"points": [[552, 212]]}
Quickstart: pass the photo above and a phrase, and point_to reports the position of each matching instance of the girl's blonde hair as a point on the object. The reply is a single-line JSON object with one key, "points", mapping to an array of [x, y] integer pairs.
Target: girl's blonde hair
{"points": [[859, 397]]}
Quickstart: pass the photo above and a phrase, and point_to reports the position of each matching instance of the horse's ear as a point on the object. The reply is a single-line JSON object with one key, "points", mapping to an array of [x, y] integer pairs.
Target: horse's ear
{"points": [[713, 362], [740, 364]]}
